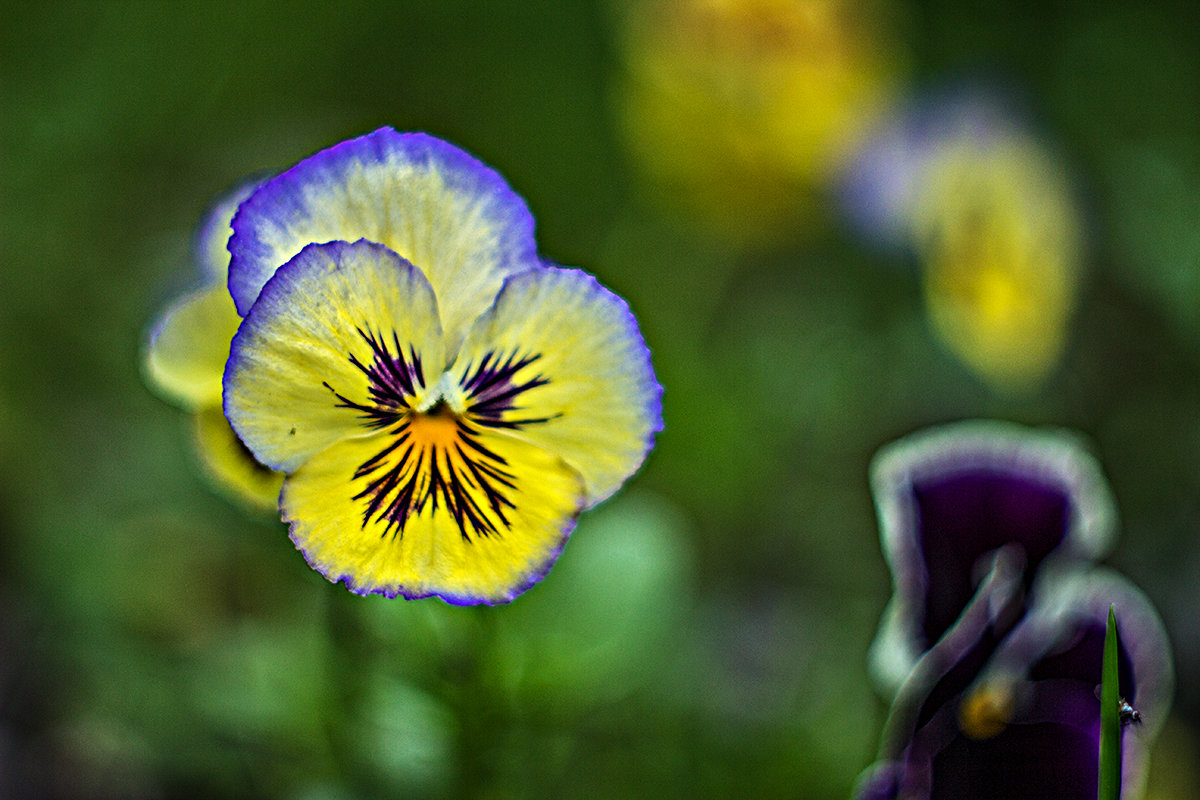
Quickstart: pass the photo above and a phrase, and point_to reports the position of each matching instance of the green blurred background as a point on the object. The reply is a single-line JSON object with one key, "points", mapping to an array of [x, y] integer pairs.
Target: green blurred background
{"points": [[705, 632]]}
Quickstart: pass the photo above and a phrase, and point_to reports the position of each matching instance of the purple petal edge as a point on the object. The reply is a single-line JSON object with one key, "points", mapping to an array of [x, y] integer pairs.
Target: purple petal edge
{"points": [[528, 581], [648, 377], [282, 197], [1054, 456]]}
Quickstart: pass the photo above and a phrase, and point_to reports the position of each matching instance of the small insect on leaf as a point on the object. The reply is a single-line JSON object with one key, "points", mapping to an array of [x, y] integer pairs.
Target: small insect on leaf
{"points": [[1109, 787], [1126, 713]]}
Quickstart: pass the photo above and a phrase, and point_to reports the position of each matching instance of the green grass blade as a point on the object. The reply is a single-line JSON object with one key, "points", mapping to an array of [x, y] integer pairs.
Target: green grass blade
{"points": [[1110, 723]]}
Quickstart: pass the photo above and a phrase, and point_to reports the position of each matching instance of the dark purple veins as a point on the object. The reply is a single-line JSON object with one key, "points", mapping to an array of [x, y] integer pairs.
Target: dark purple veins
{"points": [[450, 468]]}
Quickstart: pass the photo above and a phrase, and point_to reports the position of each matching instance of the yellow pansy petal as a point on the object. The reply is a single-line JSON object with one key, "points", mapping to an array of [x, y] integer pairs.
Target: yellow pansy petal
{"points": [[188, 348], [435, 506], [559, 360], [230, 466], [435, 205], [1000, 240], [338, 330], [744, 110]]}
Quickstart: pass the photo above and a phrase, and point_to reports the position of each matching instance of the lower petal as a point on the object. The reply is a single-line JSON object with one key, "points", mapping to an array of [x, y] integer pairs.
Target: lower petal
{"points": [[379, 518]]}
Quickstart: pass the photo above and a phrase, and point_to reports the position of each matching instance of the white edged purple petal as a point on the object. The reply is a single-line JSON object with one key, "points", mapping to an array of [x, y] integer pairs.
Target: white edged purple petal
{"points": [[949, 496]]}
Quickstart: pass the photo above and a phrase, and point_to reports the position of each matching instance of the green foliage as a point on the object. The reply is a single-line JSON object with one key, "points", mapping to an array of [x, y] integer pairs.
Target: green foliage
{"points": [[1110, 722], [705, 632]]}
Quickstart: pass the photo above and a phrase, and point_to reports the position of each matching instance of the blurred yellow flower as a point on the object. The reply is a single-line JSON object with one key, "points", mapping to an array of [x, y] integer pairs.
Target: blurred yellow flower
{"points": [[999, 240], [991, 215], [742, 110], [184, 361]]}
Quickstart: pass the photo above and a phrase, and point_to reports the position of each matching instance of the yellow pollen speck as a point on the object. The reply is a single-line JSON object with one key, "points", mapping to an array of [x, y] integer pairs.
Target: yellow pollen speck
{"points": [[986, 711]]}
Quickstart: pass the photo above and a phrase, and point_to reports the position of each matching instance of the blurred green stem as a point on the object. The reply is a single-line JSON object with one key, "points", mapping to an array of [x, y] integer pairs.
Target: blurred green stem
{"points": [[471, 693]]}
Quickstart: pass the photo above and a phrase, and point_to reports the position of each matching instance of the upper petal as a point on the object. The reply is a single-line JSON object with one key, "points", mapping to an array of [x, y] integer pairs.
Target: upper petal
{"points": [[948, 496], [211, 246], [332, 328], [188, 347], [430, 202], [560, 360]]}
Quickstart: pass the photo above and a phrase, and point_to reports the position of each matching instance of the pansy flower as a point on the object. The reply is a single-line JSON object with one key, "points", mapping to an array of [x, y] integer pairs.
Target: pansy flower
{"points": [[443, 402], [991, 645], [990, 214], [950, 497], [185, 359], [1026, 724]]}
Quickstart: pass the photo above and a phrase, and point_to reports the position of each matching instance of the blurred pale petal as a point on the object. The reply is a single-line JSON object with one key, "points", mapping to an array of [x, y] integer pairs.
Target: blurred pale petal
{"points": [[211, 245], [743, 110], [188, 348], [1000, 242], [231, 466]]}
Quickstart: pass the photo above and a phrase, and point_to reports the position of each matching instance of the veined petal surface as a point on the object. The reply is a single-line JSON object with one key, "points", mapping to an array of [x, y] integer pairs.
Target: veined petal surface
{"points": [[583, 387], [338, 329], [434, 506], [188, 348], [435, 205]]}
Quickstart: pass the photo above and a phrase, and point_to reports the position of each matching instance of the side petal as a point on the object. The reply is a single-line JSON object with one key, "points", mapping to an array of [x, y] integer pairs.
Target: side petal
{"points": [[230, 467], [430, 202], [424, 522], [211, 245], [583, 388], [333, 328], [188, 346], [948, 496]]}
